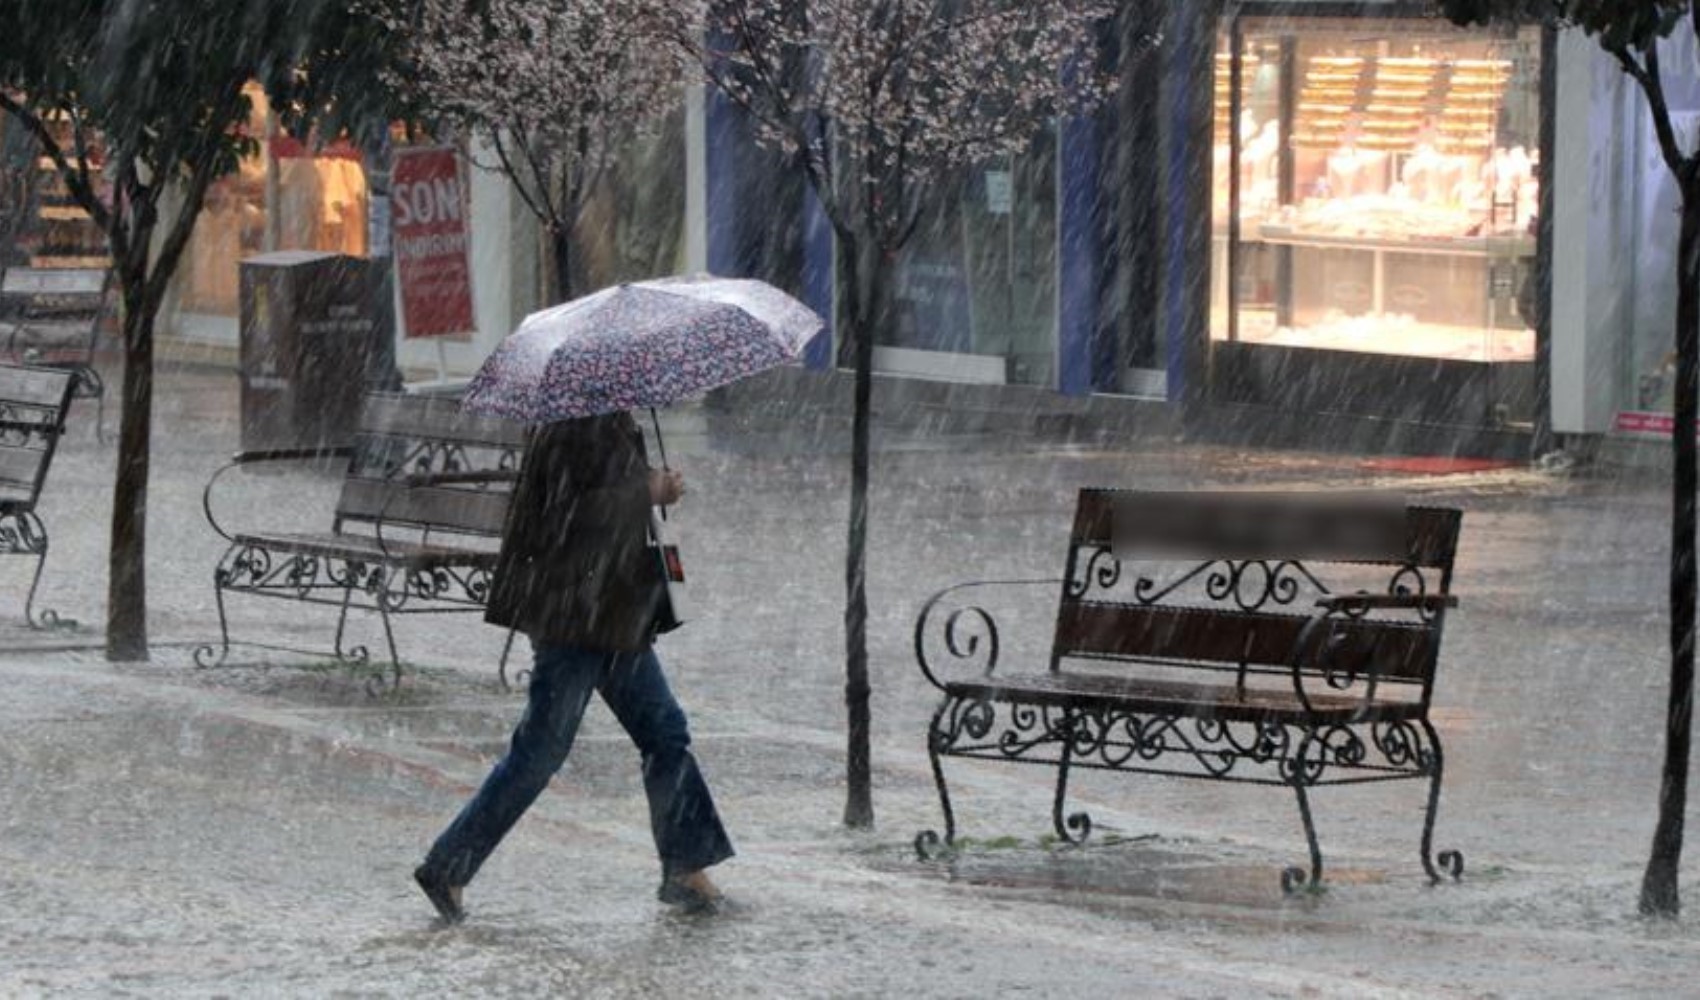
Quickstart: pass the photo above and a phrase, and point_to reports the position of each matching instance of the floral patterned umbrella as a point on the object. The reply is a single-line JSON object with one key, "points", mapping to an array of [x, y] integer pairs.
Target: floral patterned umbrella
{"points": [[643, 344]]}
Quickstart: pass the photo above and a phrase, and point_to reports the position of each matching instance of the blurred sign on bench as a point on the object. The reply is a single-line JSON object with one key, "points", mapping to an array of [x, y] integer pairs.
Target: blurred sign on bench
{"points": [[1259, 525]]}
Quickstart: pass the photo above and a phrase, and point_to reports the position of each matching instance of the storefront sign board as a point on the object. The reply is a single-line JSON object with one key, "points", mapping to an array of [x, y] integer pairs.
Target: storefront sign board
{"points": [[431, 239], [1646, 423]]}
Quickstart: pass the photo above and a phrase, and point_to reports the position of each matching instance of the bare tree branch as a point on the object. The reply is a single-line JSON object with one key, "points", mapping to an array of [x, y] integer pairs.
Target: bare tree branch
{"points": [[509, 168], [1647, 76]]}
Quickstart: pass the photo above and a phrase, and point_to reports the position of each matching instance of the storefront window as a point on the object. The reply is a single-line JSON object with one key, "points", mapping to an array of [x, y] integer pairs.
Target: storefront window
{"points": [[232, 226], [977, 280], [287, 196], [1385, 193], [633, 226], [321, 198]]}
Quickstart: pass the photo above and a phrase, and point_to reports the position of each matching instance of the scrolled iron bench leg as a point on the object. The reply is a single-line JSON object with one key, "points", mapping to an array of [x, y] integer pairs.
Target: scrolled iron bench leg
{"points": [[48, 619], [23, 534], [1072, 828], [502, 664], [1451, 862], [382, 591], [206, 656], [1295, 879], [93, 386], [34, 537], [927, 843], [358, 655]]}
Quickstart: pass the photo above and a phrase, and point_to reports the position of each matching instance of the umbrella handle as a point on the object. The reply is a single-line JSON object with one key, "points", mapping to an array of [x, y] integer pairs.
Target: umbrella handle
{"points": [[660, 445]]}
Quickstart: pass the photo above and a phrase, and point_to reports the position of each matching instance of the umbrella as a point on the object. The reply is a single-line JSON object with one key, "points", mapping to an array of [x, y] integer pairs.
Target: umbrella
{"points": [[644, 344]]}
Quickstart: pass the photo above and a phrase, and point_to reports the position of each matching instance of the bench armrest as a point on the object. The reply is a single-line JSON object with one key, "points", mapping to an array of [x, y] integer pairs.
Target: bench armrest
{"points": [[255, 457], [1312, 650], [963, 629]]}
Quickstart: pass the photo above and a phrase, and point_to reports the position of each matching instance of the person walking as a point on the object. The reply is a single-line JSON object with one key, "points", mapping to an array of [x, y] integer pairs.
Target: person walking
{"points": [[577, 573]]}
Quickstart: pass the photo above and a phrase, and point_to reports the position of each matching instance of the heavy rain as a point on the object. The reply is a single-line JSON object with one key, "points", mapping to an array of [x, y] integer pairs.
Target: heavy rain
{"points": [[591, 497]]}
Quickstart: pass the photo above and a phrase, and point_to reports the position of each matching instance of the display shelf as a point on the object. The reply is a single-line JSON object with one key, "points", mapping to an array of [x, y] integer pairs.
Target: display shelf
{"points": [[1376, 334], [78, 262], [1453, 246]]}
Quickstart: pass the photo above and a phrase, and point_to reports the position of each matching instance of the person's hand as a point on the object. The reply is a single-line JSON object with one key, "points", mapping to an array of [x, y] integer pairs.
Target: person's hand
{"points": [[666, 486]]}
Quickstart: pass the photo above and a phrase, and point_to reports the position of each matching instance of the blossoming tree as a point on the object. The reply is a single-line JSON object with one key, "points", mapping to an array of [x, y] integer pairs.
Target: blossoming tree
{"points": [[875, 102], [554, 89]]}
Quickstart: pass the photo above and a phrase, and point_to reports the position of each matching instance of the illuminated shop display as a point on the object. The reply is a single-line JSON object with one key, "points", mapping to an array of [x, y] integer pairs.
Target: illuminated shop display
{"points": [[287, 195], [1386, 187]]}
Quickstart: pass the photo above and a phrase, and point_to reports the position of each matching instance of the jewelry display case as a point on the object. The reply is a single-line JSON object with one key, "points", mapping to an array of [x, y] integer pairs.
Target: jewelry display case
{"points": [[1376, 188]]}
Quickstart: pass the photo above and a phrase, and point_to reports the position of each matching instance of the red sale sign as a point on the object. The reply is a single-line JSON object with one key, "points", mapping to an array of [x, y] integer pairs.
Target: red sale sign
{"points": [[428, 212]]}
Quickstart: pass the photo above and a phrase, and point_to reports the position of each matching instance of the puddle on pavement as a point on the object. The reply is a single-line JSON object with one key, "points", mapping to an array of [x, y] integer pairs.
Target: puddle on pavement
{"points": [[1133, 871]]}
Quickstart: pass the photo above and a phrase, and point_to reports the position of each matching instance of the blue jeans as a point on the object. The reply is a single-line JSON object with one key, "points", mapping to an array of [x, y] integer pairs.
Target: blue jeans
{"points": [[687, 829]]}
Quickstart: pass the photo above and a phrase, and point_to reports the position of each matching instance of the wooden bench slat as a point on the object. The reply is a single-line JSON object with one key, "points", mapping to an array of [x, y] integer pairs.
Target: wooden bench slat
{"points": [[39, 387], [1401, 651], [481, 512], [1183, 698], [54, 281], [20, 467], [437, 420], [366, 548]]}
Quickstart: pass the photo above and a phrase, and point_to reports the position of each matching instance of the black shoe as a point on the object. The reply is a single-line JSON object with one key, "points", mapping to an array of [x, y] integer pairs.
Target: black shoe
{"points": [[688, 898], [441, 894]]}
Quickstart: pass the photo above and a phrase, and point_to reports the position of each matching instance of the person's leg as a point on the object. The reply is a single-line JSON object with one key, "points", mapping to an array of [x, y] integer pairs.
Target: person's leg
{"points": [[562, 679], [688, 833]]}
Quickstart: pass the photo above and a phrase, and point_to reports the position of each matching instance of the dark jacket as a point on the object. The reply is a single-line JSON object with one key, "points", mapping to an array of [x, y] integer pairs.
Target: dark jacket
{"points": [[575, 568]]}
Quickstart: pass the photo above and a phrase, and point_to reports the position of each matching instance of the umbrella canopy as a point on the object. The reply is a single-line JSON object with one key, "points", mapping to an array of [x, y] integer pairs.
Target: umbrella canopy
{"points": [[643, 344]]}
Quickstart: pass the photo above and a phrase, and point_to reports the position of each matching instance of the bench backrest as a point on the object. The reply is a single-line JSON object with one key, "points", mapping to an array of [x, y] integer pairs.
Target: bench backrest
{"points": [[1185, 590], [401, 435], [67, 292], [32, 417]]}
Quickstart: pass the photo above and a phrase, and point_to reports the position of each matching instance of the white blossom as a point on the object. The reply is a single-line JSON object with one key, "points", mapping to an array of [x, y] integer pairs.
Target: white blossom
{"points": [[881, 97], [556, 88]]}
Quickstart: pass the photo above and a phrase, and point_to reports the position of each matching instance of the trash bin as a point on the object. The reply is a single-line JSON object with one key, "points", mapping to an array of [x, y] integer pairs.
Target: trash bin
{"points": [[310, 347]]}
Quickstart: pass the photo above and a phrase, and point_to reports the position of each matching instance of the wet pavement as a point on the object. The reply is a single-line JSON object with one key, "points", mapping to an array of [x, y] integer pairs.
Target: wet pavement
{"points": [[166, 831]]}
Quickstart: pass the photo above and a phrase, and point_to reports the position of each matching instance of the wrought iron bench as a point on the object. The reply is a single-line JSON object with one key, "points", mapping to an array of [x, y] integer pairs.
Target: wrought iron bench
{"points": [[416, 527], [1176, 652], [33, 402], [53, 317]]}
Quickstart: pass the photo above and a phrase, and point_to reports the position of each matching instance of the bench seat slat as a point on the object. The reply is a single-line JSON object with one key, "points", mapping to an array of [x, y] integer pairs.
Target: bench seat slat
{"points": [[364, 548], [1181, 698], [482, 512], [51, 334], [1400, 650], [20, 467], [56, 282], [36, 387]]}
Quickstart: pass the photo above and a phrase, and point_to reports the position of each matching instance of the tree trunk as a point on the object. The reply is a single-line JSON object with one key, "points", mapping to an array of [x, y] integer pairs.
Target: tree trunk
{"points": [[561, 247], [126, 600], [868, 285], [1659, 886]]}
